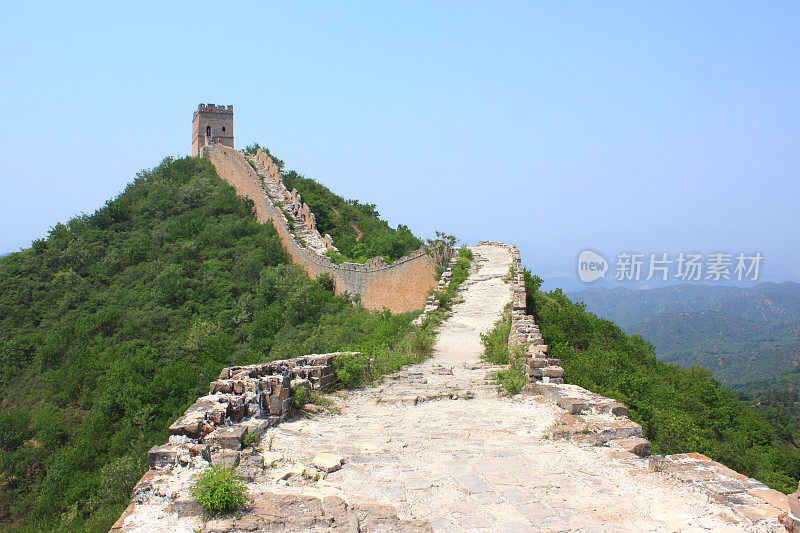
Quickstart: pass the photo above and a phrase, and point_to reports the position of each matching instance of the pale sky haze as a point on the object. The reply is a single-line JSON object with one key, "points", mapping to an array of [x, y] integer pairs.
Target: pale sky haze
{"points": [[558, 126]]}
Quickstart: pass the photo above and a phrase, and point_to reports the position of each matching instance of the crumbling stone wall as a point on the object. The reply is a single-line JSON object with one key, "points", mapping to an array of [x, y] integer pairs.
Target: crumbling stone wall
{"points": [[525, 333], [400, 287], [243, 400]]}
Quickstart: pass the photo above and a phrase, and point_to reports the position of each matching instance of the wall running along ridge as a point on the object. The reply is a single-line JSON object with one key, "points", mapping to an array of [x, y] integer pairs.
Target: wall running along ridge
{"points": [[250, 399], [596, 420], [245, 399], [400, 287]]}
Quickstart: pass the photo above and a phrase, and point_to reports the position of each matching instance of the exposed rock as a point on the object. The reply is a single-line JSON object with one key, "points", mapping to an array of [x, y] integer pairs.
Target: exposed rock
{"points": [[288, 471], [225, 458], [328, 462], [161, 456], [250, 466], [271, 457], [220, 386], [186, 507], [302, 512], [635, 445], [229, 437]]}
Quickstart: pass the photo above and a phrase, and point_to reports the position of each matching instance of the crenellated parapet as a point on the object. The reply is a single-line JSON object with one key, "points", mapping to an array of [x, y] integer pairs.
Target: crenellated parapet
{"points": [[213, 108]]}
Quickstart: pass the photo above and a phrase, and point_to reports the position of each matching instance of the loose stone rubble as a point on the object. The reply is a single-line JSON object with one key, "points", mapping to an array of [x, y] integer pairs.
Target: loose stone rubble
{"points": [[243, 400], [433, 448]]}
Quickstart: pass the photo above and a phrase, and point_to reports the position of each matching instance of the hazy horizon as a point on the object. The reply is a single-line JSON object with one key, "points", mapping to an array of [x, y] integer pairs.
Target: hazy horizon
{"points": [[624, 127]]}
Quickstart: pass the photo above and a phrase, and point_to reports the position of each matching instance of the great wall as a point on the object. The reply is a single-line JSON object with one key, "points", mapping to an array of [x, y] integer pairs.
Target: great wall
{"points": [[433, 447], [401, 286]]}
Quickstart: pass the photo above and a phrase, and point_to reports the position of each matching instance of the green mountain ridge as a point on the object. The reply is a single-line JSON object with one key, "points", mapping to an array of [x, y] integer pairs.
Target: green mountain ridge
{"points": [[778, 399], [116, 322], [627, 307], [741, 334], [734, 348]]}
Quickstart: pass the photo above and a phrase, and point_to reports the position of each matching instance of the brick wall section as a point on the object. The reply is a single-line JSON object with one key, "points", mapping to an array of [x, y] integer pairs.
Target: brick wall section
{"points": [[432, 304], [400, 287]]}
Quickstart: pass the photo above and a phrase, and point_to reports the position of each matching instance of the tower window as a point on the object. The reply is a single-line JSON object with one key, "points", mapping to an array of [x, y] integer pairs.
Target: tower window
{"points": [[208, 130], [223, 128]]}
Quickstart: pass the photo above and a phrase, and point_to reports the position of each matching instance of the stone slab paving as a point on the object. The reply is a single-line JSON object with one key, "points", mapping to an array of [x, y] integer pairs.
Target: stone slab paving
{"points": [[436, 448], [482, 461]]}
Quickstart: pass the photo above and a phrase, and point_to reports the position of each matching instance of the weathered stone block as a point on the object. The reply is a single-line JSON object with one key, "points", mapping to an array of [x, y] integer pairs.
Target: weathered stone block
{"points": [[216, 415], [794, 505], [186, 508], [161, 456], [275, 405], [228, 437], [617, 409], [236, 408], [572, 405], [328, 462], [225, 458], [306, 384], [537, 362], [552, 372], [324, 381], [635, 445], [220, 386], [249, 466], [186, 426], [252, 409]]}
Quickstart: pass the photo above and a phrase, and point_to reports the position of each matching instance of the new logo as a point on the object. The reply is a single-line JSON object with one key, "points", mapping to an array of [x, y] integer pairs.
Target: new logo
{"points": [[591, 266]]}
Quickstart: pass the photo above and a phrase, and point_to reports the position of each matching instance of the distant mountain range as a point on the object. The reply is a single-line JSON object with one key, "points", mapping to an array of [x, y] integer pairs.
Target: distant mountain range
{"points": [[741, 334]]}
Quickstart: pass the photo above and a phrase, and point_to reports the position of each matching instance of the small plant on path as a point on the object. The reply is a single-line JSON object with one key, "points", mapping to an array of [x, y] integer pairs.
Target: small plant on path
{"points": [[219, 491]]}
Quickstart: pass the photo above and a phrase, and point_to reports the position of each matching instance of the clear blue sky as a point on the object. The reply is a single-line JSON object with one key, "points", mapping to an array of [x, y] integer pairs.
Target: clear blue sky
{"points": [[641, 126]]}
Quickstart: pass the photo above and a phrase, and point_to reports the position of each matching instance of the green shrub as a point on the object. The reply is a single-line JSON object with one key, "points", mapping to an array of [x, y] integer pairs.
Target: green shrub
{"points": [[513, 379], [351, 369], [496, 351], [496, 342], [302, 396], [219, 491], [251, 438]]}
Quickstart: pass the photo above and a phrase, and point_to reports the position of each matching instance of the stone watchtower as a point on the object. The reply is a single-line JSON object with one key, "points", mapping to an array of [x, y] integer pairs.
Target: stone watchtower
{"points": [[213, 123]]}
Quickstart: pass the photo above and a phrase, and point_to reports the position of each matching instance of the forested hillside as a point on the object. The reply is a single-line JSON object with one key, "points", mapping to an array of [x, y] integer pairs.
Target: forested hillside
{"points": [[115, 322], [735, 349], [356, 228], [778, 399], [766, 302], [680, 410]]}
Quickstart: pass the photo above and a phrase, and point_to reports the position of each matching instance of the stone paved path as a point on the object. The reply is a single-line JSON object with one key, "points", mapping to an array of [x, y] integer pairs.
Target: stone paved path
{"points": [[481, 463]]}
